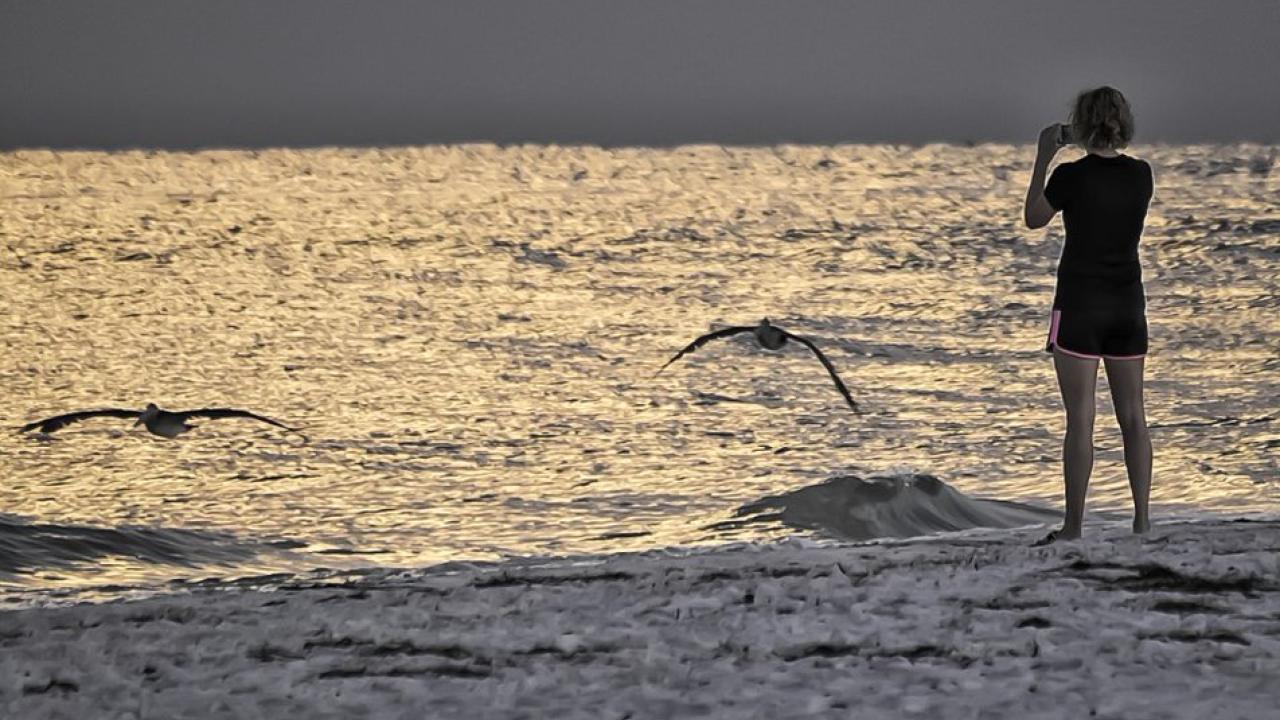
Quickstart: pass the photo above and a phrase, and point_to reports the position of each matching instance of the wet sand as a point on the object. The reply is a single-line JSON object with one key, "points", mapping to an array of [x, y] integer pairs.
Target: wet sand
{"points": [[1182, 624]]}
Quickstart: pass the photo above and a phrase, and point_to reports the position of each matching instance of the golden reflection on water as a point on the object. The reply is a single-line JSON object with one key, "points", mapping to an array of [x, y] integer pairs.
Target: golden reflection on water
{"points": [[469, 332]]}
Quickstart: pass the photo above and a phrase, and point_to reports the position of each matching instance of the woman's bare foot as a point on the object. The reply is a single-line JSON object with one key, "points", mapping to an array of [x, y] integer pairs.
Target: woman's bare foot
{"points": [[1057, 536]]}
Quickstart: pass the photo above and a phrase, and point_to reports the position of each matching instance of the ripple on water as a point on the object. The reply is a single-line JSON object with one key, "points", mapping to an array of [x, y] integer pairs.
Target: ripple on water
{"points": [[469, 335]]}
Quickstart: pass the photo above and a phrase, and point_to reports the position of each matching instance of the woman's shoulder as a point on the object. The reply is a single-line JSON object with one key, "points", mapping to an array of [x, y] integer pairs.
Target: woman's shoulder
{"points": [[1067, 167], [1135, 160], [1141, 172], [1142, 166]]}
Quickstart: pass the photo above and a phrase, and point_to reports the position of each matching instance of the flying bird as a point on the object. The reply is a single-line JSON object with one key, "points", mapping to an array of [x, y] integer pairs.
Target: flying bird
{"points": [[770, 337], [159, 422]]}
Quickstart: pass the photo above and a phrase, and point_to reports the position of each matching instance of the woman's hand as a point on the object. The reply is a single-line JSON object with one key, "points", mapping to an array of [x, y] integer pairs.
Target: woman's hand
{"points": [[1048, 146], [1037, 212]]}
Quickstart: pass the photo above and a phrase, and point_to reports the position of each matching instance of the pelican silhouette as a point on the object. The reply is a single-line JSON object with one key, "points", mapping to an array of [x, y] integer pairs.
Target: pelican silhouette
{"points": [[771, 337], [159, 422]]}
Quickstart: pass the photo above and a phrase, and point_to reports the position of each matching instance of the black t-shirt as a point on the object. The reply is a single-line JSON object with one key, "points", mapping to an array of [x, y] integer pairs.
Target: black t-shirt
{"points": [[1104, 204]]}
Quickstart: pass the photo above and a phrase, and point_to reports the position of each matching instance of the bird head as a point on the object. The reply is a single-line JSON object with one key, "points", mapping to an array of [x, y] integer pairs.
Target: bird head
{"points": [[770, 337], [147, 413]]}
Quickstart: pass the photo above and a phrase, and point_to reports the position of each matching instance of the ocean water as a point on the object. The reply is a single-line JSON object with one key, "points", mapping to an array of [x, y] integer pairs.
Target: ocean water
{"points": [[469, 335]]}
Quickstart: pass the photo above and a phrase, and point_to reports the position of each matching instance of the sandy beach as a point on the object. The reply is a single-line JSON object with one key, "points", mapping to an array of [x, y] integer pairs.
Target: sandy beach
{"points": [[1183, 624]]}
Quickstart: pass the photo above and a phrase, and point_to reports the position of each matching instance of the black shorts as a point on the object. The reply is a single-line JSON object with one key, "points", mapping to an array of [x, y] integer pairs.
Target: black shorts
{"points": [[1104, 332]]}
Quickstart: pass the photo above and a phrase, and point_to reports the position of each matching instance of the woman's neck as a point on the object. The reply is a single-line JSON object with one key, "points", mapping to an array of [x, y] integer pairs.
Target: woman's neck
{"points": [[1103, 152]]}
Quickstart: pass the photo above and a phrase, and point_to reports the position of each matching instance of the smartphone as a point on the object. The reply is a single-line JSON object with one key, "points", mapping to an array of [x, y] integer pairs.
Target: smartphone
{"points": [[1064, 135]]}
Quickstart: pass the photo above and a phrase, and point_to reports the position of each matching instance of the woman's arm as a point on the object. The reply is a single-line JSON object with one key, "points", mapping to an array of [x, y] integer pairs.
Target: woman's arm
{"points": [[1037, 212]]}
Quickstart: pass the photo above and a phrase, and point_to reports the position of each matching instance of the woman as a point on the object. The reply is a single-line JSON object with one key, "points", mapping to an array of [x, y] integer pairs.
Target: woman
{"points": [[1099, 309]]}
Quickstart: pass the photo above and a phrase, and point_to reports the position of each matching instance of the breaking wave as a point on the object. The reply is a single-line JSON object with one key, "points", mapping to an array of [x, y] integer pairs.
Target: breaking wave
{"points": [[26, 547], [890, 507]]}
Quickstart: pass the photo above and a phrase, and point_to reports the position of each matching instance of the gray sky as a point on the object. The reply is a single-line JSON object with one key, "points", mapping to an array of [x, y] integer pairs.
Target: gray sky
{"points": [[172, 73]]}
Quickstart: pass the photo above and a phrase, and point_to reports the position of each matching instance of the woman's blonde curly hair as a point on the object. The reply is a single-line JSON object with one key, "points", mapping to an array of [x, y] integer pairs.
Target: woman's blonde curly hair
{"points": [[1101, 119]]}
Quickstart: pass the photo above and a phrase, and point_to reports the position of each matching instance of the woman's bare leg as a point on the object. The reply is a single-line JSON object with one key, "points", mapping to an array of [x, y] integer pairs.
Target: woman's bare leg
{"points": [[1125, 378], [1077, 378]]}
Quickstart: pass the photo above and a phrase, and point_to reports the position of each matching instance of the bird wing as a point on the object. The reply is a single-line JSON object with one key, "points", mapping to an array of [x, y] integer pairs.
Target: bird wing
{"points": [[232, 412], [830, 368], [722, 332], [56, 422]]}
